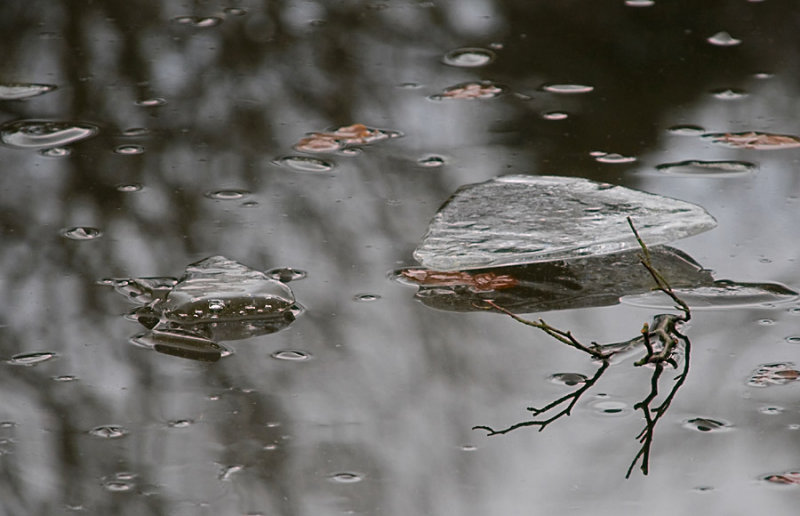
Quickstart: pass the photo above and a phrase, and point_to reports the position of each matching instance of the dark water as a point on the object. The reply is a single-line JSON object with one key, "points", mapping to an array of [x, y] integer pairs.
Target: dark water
{"points": [[180, 115]]}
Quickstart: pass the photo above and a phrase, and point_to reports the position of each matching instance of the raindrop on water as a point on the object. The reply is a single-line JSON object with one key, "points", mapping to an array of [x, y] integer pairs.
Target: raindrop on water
{"points": [[118, 486], [306, 164], [56, 152], [567, 88], [227, 195], [129, 187], [65, 378], [291, 355], [555, 115], [286, 274], [108, 432], [607, 407], [771, 411], [469, 57], [431, 162], [614, 158], [723, 39], [154, 102], [703, 424], [366, 297], [766, 322], [180, 423], [129, 149], [81, 233], [30, 359], [568, 378], [200, 22], [346, 477]]}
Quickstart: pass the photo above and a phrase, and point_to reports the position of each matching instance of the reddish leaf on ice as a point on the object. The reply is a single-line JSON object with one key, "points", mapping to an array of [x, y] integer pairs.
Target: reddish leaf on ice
{"points": [[480, 282], [774, 374], [755, 140], [347, 136], [792, 477], [471, 90]]}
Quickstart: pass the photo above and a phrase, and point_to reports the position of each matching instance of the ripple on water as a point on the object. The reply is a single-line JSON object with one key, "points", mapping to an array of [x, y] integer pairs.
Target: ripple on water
{"points": [[291, 355], [431, 162], [286, 274], [612, 157], [366, 298], [108, 432], [723, 39], [199, 22], [40, 134], [700, 168], [227, 195], [306, 164], [31, 359], [555, 115], [130, 187], [56, 152], [704, 424], [81, 233], [346, 477], [469, 57], [568, 88], [153, 102], [606, 406], [19, 91], [568, 378], [180, 423], [129, 150]]}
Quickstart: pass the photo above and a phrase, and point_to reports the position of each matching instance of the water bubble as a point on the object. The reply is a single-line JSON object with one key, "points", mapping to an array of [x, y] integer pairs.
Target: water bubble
{"points": [[411, 85], [65, 378], [19, 91], [568, 378], [346, 477], [568, 88], [766, 322], [687, 130], [216, 305], [707, 168], [235, 11], [639, 3], [200, 22], [118, 486], [108, 432], [154, 102], [180, 423], [286, 274], [469, 447], [614, 158], [729, 94], [468, 57], [270, 447], [366, 297], [227, 195], [795, 310], [136, 132], [306, 164], [56, 152], [763, 75], [723, 39], [31, 359], [608, 407], [771, 411], [703, 424], [793, 426], [129, 149], [129, 187], [39, 134], [291, 355], [431, 162], [555, 115], [228, 471], [81, 233]]}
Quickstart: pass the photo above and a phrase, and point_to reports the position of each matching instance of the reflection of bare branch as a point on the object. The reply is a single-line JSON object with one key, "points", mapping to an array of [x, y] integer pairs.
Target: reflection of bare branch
{"points": [[661, 341]]}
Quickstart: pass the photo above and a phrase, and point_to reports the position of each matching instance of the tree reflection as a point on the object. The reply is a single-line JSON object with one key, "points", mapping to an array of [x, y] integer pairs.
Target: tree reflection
{"points": [[663, 345]]}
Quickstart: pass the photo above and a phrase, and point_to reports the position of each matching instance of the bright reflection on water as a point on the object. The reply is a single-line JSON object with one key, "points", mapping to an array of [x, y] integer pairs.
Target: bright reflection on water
{"points": [[365, 405]]}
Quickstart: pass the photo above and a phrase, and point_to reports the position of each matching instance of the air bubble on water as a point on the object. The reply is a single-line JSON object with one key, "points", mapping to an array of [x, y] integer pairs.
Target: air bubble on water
{"points": [[793, 426], [216, 305], [704, 424], [469, 447], [615, 158], [108, 432], [568, 378], [703, 489], [31, 359], [136, 132], [431, 161], [180, 423], [639, 3], [286, 274], [81, 233], [366, 298], [19, 91], [200, 22], [763, 75], [610, 407], [707, 168], [235, 11], [129, 187], [40, 134], [410, 85], [723, 39], [118, 486], [346, 477], [65, 378], [687, 130], [568, 88], [291, 355], [729, 94], [793, 339], [129, 149], [468, 57], [306, 164], [56, 152], [227, 195], [766, 322], [228, 471], [771, 410], [153, 102], [555, 115]]}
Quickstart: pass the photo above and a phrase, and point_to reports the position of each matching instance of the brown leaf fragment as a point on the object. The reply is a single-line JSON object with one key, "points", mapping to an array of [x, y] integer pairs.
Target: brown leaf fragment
{"points": [[755, 140], [346, 136], [789, 478], [471, 90], [479, 282], [774, 374]]}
